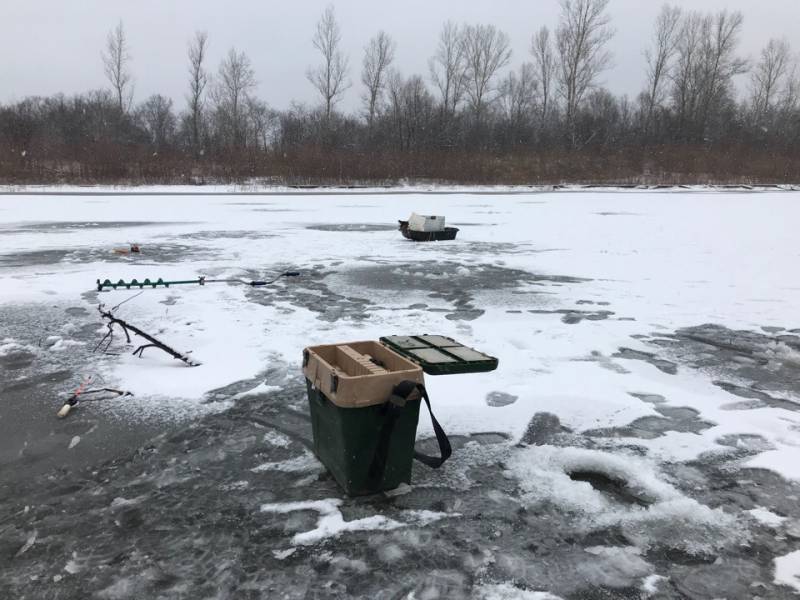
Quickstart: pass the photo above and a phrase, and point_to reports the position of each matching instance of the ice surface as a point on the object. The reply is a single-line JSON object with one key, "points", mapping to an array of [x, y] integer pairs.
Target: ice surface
{"points": [[331, 523], [787, 570], [650, 585], [649, 464], [644, 504], [304, 462], [767, 517], [28, 543], [506, 591], [261, 388], [275, 438]]}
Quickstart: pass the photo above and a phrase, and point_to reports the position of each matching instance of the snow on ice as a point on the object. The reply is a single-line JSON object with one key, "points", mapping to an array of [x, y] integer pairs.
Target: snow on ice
{"points": [[579, 294]]}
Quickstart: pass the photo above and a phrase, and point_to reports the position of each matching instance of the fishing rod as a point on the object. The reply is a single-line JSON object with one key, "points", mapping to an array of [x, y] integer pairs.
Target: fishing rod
{"points": [[134, 283], [82, 392]]}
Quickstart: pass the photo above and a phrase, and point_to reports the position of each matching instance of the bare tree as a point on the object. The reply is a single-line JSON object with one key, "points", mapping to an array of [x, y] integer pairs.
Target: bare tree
{"points": [[705, 67], [659, 58], [581, 38], [518, 95], [260, 121], [791, 89], [198, 80], [378, 56], [158, 120], [235, 80], [686, 73], [447, 67], [769, 78], [116, 59], [329, 78], [486, 51], [720, 64], [411, 108], [545, 64]]}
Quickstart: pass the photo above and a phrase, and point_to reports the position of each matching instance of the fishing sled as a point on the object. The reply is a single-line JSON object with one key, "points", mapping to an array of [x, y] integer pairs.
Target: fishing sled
{"points": [[447, 233]]}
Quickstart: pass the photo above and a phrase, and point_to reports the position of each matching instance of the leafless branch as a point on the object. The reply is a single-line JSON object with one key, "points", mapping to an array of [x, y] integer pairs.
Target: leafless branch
{"points": [[154, 343], [116, 59]]}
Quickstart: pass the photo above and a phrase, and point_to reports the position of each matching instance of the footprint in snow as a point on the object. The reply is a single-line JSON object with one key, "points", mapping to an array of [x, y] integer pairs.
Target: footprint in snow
{"points": [[497, 399]]}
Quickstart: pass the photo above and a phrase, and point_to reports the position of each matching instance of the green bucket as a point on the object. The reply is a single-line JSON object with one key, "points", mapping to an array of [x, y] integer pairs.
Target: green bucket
{"points": [[367, 449]]}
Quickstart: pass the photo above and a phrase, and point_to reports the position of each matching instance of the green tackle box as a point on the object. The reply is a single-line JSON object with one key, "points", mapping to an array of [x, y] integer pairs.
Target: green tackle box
{"points": [[440, 355], [364, 399]]}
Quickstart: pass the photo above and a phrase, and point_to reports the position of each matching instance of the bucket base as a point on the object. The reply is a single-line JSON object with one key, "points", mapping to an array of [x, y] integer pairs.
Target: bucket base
{"points": [[346, 442]]}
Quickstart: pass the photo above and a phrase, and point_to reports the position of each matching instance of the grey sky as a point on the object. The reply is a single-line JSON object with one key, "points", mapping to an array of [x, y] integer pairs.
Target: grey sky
{"points": [[47, 46]]}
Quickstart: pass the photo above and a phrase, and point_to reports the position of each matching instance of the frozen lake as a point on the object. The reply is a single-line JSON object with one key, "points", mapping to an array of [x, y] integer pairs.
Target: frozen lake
{"points": [[640, 438]]}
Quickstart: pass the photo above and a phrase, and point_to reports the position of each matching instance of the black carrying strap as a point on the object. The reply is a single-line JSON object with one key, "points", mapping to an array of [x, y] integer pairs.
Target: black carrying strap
{"points": [[445, 450], [394, 407]]}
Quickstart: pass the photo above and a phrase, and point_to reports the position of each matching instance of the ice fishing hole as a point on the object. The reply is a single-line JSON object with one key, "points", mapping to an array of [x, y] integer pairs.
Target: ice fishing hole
{"points": [[611, 486]]}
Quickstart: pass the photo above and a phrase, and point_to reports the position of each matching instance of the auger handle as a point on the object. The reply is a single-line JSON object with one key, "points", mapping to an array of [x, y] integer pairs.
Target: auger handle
{"points": [[263, 283]]}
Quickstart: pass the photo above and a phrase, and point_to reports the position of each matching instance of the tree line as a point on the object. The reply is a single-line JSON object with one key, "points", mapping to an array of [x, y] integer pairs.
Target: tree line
{"points": [[472, 118]]}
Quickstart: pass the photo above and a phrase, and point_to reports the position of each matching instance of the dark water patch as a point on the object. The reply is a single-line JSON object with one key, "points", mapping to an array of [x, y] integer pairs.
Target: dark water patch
{"points": [[649, 398], [467, 247], [613, 487], [16, 358], [730, 579], [603, 361], [352, 227], [661, 364], [311, 291], [499, 399], [446, 276], [226, 235], [32, 258], [773, 330], [762, 398], [672, 418], [465, 314], [766, 368], [50, 226], [449, 281], [150, 254], [573, 317], [745, 444], [544, 428], [47, 380]]}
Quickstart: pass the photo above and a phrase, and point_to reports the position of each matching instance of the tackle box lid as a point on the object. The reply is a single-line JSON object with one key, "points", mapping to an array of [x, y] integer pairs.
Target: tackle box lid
{"points": [[440, 355]]}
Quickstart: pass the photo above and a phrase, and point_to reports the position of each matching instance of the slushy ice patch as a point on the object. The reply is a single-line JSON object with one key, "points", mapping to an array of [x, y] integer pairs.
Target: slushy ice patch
{"points": [[661, 517]]}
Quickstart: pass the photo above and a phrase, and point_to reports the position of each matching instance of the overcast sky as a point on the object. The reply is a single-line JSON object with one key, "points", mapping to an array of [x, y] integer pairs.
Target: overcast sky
{"points": [[49, 46]]}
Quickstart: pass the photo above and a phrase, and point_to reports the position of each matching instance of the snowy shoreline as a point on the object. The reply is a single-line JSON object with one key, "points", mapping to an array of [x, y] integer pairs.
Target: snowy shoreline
{"points": [[260, 189]]}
